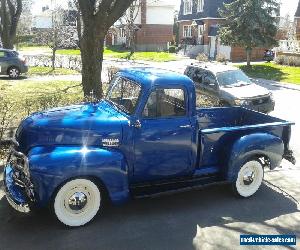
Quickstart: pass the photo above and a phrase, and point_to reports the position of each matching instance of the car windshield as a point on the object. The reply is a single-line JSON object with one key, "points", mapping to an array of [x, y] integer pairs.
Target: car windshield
{"points": [[233, 78], [124, 94]]}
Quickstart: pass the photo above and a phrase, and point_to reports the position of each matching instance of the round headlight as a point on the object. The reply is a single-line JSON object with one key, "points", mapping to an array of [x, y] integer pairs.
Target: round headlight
{"points": [[240, 102]]}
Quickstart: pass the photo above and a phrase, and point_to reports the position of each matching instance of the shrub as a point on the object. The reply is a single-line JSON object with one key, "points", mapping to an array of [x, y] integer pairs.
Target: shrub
{"points": [[288, 60], [172, 49], [279, 60], [221, 58], [204, 101], [202, 57]]}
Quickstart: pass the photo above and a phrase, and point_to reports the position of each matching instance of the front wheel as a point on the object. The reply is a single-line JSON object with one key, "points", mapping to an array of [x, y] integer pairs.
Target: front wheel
{"points": [[77, 202], [13, 73], [249, 179]]}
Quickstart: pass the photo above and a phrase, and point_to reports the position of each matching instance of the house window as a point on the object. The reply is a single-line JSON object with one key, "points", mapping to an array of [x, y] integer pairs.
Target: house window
{"points": [[201, 29], [122, 32], [187, 7], [187, 31], [200, 34], [200, 5]]}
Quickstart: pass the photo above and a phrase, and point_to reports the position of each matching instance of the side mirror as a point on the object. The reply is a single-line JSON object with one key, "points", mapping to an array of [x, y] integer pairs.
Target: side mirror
{"points": [[137, 124]]}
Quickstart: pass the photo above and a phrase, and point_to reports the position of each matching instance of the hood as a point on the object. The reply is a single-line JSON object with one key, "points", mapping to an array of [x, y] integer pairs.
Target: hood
{"points": [[246, 92], [82, 125]]}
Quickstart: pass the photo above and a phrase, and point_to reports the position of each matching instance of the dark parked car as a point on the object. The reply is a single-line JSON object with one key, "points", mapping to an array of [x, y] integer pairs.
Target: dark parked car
{"points": [[269, 55], [12, 64], [229, 86]]}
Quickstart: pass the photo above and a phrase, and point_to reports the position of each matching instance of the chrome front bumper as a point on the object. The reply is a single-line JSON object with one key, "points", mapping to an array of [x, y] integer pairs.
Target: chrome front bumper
{"points": [[14, 194], [18, 186]]}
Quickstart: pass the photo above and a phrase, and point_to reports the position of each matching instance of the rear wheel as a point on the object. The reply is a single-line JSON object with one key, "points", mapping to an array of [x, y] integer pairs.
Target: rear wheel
{"points": [[14, 72], [249, 179], [77, 202]]}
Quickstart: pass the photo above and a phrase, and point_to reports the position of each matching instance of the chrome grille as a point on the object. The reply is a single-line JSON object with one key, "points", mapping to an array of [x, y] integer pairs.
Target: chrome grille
{"points": [[260, 101]]}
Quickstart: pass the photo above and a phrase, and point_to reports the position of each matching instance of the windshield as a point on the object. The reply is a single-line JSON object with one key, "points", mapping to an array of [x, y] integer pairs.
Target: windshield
{"points": [[233, 78], [124, 94]]}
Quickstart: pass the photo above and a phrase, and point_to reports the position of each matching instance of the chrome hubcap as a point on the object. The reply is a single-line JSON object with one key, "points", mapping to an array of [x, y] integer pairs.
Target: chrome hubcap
{"points": [[77, 201], [248, 178], [14, 72]]}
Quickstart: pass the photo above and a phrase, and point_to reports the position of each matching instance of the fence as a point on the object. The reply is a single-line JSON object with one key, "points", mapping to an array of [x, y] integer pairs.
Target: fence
{"points": [[62, 61], [289, 46]]}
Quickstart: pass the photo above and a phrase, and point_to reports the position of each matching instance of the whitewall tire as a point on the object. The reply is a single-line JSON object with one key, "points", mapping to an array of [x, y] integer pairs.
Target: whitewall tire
{"points": [[77, 202], [249, 179]]}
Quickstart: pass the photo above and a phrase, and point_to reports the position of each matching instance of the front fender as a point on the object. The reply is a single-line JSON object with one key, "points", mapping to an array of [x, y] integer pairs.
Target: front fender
{"points": [[249, 146], [50, 167]]}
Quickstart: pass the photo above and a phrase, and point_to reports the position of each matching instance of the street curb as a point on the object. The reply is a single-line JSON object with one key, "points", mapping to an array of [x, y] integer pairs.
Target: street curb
{"points": [[284, 85]]}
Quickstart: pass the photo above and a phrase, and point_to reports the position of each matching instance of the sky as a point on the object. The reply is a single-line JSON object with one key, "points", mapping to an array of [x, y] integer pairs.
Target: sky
{"points": [[287, 7]]}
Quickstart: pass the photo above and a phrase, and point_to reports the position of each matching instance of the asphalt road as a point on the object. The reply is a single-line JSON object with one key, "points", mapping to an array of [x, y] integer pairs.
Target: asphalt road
{"points": [[211, 218]]}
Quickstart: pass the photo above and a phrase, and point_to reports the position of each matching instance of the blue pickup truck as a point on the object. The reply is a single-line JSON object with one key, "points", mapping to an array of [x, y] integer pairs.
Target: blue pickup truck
{"points": [[146, 138]]}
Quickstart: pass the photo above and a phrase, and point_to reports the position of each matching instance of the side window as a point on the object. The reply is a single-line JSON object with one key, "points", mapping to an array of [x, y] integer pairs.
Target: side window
{"points": [[2, 54], [11, 54], [209, 79], [198, 77], [165, 103]]}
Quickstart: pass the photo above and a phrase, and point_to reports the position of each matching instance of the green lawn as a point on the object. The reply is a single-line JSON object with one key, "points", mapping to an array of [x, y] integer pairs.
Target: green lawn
{"points": [[40, 49], [68, 52], [121, 54], [111, 52], [272, 71], [41, 71], [22, 97]]}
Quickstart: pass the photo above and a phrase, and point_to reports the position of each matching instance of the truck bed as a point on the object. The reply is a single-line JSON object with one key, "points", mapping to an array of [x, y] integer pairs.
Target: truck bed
{"points": [[219, 128], [213, 120]]}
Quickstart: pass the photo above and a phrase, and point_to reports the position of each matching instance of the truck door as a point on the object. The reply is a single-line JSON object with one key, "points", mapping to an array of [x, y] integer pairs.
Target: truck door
{"points": [[163, 137]]}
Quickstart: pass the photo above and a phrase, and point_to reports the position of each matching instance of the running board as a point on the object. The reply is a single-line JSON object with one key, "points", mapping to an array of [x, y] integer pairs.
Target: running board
{"points": [[167, 188]]}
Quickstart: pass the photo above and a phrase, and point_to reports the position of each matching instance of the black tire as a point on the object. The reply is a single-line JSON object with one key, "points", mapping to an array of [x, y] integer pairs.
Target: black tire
{"points": [[13, 72]]}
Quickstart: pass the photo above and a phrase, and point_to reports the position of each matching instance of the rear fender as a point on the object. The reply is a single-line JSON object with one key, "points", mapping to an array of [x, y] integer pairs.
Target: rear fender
{"points": [[51, 167], [249, 146]]}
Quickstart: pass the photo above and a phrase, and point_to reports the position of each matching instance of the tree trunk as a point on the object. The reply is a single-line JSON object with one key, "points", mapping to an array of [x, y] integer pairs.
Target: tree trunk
{"points": [[10, 13], [7, 42], [92, 47], [53, 58], [248, 52]]}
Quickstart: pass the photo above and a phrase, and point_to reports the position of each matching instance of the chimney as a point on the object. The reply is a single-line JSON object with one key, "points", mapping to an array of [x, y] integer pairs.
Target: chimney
{"points": [[143, 11]]}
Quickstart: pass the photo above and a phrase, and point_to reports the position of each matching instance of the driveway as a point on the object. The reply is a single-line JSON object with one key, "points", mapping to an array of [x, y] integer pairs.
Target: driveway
{"points": [[211, 218]]}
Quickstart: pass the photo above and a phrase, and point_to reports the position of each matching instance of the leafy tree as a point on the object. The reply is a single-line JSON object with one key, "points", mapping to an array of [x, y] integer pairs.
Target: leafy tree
{"points": [[97, 17], [10, 12], [249, 24]]}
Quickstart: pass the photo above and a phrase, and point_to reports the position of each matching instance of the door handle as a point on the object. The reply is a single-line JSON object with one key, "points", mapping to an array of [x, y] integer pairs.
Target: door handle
{"points": [[185, 126]]}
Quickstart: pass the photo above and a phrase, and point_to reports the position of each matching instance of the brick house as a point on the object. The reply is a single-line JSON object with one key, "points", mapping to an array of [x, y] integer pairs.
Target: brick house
{"points": [[199, 22], [154, 26]]}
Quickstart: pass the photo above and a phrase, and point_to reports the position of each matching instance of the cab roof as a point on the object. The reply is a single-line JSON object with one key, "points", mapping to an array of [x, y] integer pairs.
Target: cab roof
{"points": [[7, 50], [214, 67], [153, 76]]}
